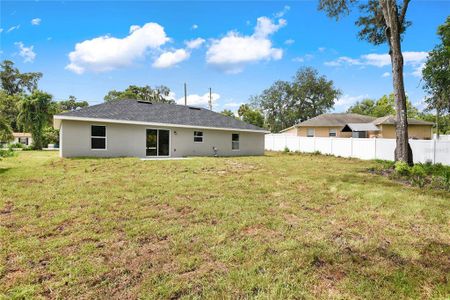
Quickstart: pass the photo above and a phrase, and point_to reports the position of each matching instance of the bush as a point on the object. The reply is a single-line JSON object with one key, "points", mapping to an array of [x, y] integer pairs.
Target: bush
{"points": [[402, 168], [286, 150], [6, 153], [16, 145], [418, 175]]}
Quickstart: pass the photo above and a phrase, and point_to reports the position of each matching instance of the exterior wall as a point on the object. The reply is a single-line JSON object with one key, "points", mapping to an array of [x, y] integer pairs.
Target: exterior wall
{"points": [[130, 140], [17, 140], [292, 131], [323, 131], [421, 132]]}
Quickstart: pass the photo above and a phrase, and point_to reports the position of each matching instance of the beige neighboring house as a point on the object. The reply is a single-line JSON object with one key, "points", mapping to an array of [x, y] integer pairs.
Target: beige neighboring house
{"points": [[357, 126], [156, 130], [23, 138]]}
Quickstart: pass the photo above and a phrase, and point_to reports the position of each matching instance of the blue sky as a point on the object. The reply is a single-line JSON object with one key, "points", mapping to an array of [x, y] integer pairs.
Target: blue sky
{"points": [[87, 48]]}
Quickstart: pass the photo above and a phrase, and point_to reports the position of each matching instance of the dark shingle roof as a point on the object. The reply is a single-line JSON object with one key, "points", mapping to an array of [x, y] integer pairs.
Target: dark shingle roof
{"points": [[339, 119], [138, 111]]}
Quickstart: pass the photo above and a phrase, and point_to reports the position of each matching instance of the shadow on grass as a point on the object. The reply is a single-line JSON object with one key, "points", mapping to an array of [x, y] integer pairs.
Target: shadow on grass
{"points": [[4, 170]]}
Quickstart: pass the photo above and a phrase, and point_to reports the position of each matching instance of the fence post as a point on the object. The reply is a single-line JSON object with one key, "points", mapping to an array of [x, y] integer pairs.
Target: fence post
{"points": [[299, 144], [314, 144], [331, 145]]}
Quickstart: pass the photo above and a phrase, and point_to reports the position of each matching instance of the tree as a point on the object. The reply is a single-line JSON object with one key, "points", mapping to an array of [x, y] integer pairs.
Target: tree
{"points": [[383, 21], [36, 111], [250, 115], [228, 113], [9, 108], [71, 104], [436, 74], [5, 130], [13, 82], [382, 107], [145, 93], [287, 103]]}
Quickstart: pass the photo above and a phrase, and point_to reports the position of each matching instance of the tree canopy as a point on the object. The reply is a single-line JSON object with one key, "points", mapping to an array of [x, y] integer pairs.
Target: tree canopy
{"points": [[71, 104], [286, 103], [145, 93], [436, 73], [250, 115], [382, 107], [14, 82], [36, 111]]}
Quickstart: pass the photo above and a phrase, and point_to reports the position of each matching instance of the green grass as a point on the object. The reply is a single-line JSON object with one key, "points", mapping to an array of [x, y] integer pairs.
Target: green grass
{"points": [[279, 226]]}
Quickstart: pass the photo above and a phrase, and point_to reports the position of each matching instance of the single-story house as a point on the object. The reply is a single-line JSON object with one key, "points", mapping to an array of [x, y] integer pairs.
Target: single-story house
{"points": [[144, 129], [23, 138], [357, 126]]}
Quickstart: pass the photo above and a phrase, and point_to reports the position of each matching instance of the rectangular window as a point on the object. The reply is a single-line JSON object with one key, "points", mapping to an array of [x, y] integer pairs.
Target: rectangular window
{"points": [[310, 132], [198, 136], [235, 141], [332, 132], [98, 137], [23, 140]]}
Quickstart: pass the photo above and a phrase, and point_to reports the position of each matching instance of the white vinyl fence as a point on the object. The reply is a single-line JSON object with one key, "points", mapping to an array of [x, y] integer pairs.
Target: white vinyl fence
{"points": [[435, 151]]}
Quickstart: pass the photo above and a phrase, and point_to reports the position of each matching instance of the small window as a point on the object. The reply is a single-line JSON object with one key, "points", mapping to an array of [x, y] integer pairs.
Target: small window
{"points": [[198, 136], [310, 132], [235, 141], [98, 137], [332, 132], [23, 140]]}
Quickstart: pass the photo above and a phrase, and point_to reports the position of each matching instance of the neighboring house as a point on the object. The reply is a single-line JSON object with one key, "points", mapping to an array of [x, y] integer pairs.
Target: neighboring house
{"points": [[144, 129], [357, 126], [23, 138]]}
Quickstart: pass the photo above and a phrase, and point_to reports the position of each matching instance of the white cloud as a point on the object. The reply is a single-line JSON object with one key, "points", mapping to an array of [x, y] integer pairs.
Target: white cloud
{"points": [[171, 58], [12, 28], [281, 13], [321, 49], [306, 57], [418, 70], [106, 53], [386, 74], [36, 22], [234, 50], [346, 101], [195, 43], [1, 30], [410, 58], [289, 41], [194, 26], [343, 60], [199, 100], [26, 52]]}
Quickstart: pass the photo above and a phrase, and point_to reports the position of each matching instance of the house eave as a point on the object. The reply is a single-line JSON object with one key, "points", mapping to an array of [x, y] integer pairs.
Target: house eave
{"points": [[58, 118]]}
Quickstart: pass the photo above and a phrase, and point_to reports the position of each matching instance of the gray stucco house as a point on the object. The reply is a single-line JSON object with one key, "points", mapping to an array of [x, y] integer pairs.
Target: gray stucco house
{"points": [[144, 129]]}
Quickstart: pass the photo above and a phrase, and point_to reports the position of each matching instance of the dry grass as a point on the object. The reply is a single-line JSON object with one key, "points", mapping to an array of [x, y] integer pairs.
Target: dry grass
{"points": [[279, 226]]}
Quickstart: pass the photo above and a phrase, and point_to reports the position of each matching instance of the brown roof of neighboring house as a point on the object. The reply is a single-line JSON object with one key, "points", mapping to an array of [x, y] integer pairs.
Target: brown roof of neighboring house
{"points": [[338, 119], [390, 120], [21, 134]]}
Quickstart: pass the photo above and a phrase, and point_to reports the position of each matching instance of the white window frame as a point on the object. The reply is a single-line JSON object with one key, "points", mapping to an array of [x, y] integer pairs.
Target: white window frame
{"points": [[332, 130], [100, 137], [233, 142], [313, 132], [199, 136]]}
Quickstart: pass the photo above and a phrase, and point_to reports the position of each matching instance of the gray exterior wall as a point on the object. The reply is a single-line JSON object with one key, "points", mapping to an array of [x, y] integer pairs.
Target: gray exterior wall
{"points": [[130, 140]]}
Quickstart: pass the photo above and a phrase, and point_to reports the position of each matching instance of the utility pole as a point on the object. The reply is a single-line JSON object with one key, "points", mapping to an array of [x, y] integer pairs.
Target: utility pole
{"points": [[185, 94], [210, 100]]}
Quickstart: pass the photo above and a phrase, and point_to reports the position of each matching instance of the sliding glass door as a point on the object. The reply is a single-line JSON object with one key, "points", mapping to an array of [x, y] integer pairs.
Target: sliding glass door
{"points": [[157, 142]]}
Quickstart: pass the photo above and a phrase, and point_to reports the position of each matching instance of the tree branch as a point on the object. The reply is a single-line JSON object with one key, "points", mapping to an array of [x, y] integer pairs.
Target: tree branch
{"points": [[401, 18]]}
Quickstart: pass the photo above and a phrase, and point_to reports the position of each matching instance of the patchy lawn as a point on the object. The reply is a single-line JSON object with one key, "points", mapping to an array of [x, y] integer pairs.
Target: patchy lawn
{"points": [[279, 226]]}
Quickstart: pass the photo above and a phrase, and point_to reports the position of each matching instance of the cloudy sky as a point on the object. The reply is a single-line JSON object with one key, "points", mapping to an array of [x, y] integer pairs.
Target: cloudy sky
{"points": [[86, 48]]}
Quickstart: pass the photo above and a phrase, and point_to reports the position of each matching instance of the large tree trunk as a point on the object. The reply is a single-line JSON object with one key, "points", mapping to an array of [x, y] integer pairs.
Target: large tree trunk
{"points": [[390, 12]]}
